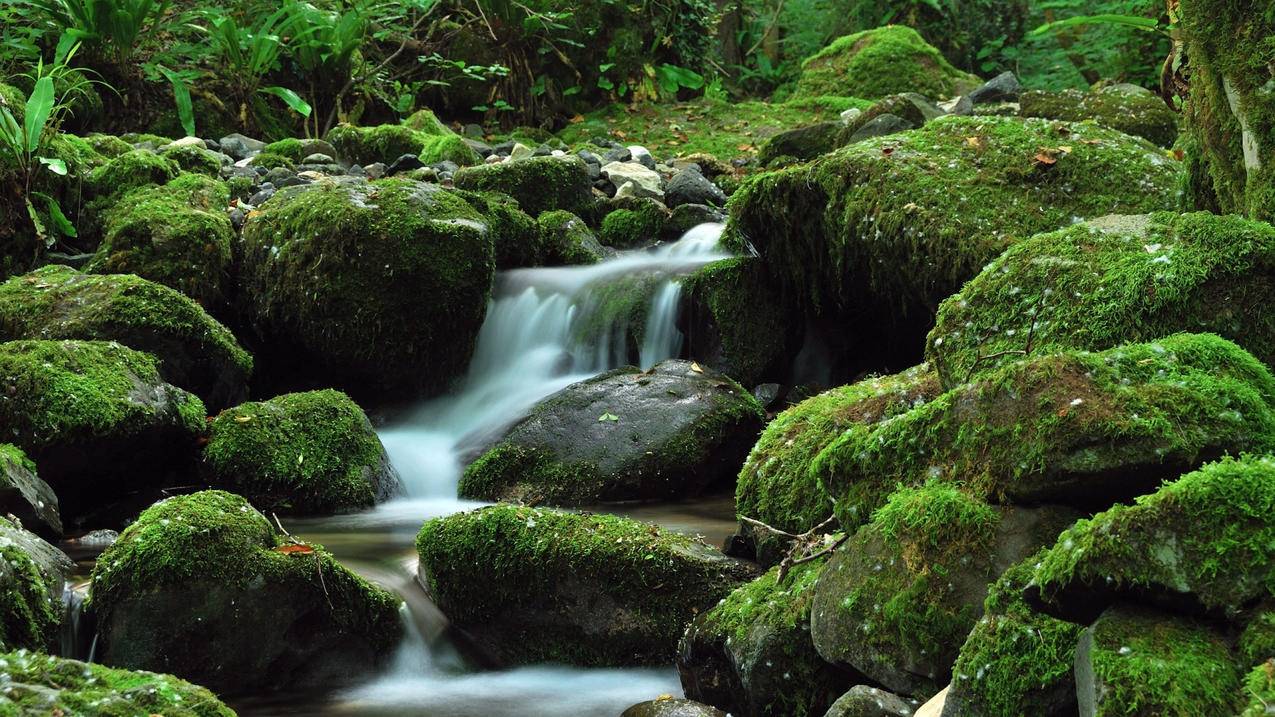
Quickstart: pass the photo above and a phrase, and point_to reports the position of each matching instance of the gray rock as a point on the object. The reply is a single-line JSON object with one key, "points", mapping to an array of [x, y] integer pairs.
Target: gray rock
{"points": [[864, 701], [98, 538], [356, 170], [318, 158], [688, 216], [375, 170], [472, 131], [648, 182], [26, 497], [236, 215], [768, 395], [483, 149], [642, 156], [689, 186], [672, 707], [881, 126], [960, 106], [405, 163], [240, 147], [277, 174], [520, 151], [1001, 88], [617, 154], [543, 151], [262, 196]]}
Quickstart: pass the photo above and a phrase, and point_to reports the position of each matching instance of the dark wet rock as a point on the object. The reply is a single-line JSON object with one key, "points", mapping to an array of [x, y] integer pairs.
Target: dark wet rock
{"points": [[1001, 88], [880, 126], [689, 186], [864, 701], [33, 575], [24, 495]]}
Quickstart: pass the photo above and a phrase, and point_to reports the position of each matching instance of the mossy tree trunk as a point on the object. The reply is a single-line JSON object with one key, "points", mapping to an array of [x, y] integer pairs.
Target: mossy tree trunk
{"points": [[1230, 113]]}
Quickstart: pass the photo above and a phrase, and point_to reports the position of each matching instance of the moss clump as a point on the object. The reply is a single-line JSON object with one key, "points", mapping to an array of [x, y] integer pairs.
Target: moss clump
{"points": [[1132, 111], [270, 160], [290, 147], [365, 283], [195, 352], [515, 236], [386, 143], [1259, 690], [1205, 537], [1110, 281], [535, 585], [131, 170], [46, 685], [1084, 428], [629, 228], [300, 453], [196, 160], [425, 121], [776, 485], [107, 145], [30, 597], [538, 184], [885, 61], [1138, 661], [14, 100], [566, 239], [1257, 641]]}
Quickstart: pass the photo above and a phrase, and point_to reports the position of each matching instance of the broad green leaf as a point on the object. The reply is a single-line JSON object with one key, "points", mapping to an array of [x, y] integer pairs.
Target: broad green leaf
{"points": [[39, 107], [290, 98], [55, 165], [60, 221], [181, 96], [1134, 21]]}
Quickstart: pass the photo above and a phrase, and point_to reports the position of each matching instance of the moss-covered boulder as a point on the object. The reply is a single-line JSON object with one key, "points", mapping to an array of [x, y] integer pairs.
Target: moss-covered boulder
{"points": [[201, 586], [898, 598], [300, 453], [1127, 108], [374, 287], [1110, 281], [636, 222], [670, 706], [38, 684], [532, 585], [539, 184], [628, 434], [96, 417], [1201, 542], [567, 239], [1087, 429], [776, 485], [32, 577], [738, 322], [881, 231], [386, 143], [194, 159], [1135, 660], [24, 495], [880, 62], [1230, 111], [1016, 660], [131, 170], [515, 236], [195, 352], [752, 654], [177, 235]]}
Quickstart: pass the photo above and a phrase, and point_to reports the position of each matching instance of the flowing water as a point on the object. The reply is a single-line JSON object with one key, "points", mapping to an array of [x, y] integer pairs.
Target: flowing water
{"points": [[535, 341]]}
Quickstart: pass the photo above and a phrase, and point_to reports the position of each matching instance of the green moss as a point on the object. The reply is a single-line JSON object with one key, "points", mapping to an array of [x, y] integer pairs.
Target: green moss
{"points": [[1206, 535], [108, 145], [566, 239], [1257, 641], [753, 322], [270, 160], [136, 138], [1259, 690], [776, 485], [1111, 281], [194, 159], [617, 310], [14, 100], [448, 148], [290, 147], [629, 228], [1075, 426], [538, 184], [177, 235], [1142, 114], [300, 453], [425, 121], [885, 61], [30, 599], [131, 170], [515, 235], [386, 143], [46, 685], [485, 565], [900, 222]]}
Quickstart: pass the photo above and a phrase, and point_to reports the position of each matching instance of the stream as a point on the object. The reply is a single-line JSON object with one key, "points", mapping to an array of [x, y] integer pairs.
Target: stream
{"points": [[533, 343]]}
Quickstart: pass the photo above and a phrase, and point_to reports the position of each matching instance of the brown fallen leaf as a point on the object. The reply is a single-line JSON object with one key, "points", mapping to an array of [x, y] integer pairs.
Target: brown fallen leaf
{"points": [[294, 549], [696, 367]]}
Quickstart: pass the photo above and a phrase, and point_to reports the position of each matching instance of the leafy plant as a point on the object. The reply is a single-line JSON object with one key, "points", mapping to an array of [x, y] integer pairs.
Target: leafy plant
{"points": [[251, 53], [112, 28]]}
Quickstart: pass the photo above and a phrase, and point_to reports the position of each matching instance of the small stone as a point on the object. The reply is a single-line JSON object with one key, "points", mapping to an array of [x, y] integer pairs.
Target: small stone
{"points": [[520, 151], [405, 163], [1002, 88], [318, 158]]}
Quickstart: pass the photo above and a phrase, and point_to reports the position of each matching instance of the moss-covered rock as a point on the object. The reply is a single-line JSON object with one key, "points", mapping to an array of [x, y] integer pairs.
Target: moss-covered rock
{"points": [[880, 62], [898, 598], [202, 586], [177, 235], [738, 322], [131, 170], [426, 121], [1088, 429], [300, 453], [374, 287], [1230, 114], [1202, 541], [532, 585], [802, 143], [639, 223], [1139, 661], [1110, 281], [96, 418], [1016, 660], [884, 229], [194, 351], [628, 434], [38, 684], [567, 239], [776, 485], [194, 159], [670, 706], [24, 495], [515, 236], [752, 654], [967, 32], [32, 576], [1129, 109], [539, 184], [107, 145], [386, 143], [271, 160]]}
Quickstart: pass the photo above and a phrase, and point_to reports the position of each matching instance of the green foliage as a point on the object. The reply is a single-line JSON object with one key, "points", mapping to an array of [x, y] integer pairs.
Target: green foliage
{"points": [[110, 28]]}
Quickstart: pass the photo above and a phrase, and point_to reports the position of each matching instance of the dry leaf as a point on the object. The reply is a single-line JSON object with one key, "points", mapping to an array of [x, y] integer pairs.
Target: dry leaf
{"points": [[577, 119], [294, 549], [696, 367], [975, 142], [242, 419]]}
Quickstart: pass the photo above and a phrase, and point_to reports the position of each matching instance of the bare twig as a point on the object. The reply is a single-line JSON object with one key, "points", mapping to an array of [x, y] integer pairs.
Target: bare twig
{"points": [[805, 546]]}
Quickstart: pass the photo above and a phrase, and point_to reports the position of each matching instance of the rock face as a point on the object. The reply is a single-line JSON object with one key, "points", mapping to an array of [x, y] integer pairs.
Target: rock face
{"points": [[880, 62], [879, 233], [96, 418], [1126, 108], [1086, 429], [24, 495], [43, 685], [530, 585], [864, 701], [202, 587], [1110, 281], [752, 654], [32, 576], [195, 352], [897, 599], [309, 453], [539, 184], [625, 435], [378, 287]]}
